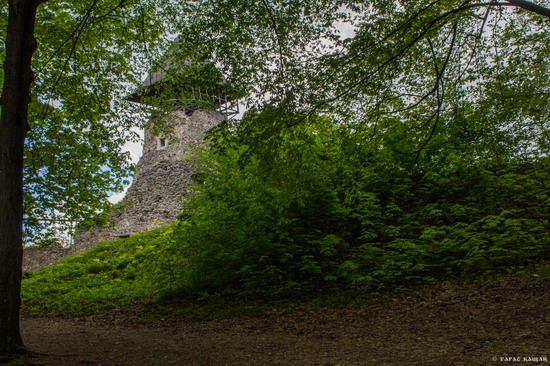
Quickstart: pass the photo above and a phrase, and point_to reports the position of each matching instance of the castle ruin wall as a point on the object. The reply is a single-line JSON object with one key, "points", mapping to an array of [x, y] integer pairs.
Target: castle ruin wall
{"points": [[161, 180]]}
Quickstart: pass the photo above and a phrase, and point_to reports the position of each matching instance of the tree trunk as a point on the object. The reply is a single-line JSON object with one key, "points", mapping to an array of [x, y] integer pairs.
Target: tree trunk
{"points": [[18, 76]]}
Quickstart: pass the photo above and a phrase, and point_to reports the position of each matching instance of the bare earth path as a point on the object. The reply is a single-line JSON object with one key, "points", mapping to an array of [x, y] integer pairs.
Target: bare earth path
{"points": [[478, 326]]}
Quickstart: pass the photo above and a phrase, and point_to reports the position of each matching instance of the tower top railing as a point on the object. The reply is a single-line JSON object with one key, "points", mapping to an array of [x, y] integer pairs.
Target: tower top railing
{"points": [[194, 94]]}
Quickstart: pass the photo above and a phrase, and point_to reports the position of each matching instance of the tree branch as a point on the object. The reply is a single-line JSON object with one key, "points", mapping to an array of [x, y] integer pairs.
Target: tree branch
{"points": [[426, 29], [279, 44], [82, 26], [532, 7], [76, 32]]}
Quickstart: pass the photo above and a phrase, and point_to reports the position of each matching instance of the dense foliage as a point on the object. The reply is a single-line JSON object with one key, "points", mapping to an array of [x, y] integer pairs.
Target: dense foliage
{"points": [[317, 208], [412, 148], [321, 207]]}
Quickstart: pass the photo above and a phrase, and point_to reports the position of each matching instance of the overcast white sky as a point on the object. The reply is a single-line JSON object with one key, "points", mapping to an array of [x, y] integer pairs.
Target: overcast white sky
{"points": [[135, 149]]}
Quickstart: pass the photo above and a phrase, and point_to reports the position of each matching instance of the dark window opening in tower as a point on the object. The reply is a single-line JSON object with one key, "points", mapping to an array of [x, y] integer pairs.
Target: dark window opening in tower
{"points": [[161, 143]]}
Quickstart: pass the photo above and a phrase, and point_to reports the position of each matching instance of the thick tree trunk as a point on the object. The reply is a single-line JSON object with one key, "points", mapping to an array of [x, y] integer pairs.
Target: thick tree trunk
{"points": [[18, 76]]}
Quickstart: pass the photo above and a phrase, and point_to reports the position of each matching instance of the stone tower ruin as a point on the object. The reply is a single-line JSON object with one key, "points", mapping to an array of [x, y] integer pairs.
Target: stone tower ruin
{"points": [[162, 176]]}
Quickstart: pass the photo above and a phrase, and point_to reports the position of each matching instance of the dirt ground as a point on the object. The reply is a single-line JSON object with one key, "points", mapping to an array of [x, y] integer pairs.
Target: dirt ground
{"points": [[499, 324]]}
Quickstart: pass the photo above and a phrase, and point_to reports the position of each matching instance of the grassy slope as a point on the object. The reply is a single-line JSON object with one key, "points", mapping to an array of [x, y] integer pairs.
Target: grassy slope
{"points": [[124, 272], [112, 274]]}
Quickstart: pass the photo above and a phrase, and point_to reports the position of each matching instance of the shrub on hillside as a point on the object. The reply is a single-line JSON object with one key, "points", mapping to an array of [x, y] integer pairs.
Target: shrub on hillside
{"points": [[314, 208]]}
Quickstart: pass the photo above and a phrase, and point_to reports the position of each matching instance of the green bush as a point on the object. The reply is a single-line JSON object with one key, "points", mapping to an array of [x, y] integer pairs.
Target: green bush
{"points": [[312, 209]]}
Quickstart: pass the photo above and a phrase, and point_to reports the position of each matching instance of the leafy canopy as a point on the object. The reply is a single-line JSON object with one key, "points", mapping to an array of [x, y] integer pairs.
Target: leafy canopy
{"points": [[425, 64], [91, 56]]}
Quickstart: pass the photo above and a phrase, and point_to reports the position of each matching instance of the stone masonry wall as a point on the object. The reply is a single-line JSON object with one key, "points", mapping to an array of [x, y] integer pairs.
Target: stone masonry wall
{"points": [[160, 181]]}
